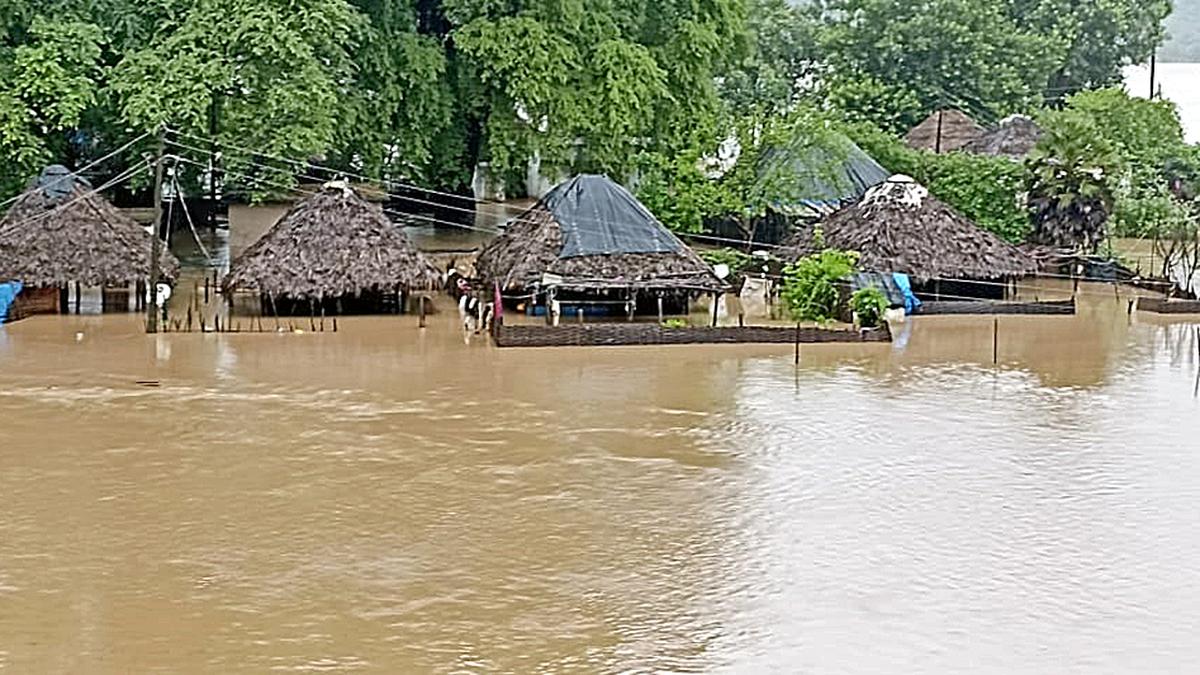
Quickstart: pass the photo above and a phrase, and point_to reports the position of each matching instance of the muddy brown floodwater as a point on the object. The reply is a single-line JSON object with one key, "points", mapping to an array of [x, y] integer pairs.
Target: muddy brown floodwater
{"points": [[390, 500]]}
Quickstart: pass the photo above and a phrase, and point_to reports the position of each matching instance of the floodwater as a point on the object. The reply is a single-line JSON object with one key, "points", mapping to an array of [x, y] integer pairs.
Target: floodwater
{"points": [[387, 499]]}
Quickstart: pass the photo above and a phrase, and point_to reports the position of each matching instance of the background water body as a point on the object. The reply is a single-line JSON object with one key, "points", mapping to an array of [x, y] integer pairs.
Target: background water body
{"points": [[390, 500], [1180, 83]]}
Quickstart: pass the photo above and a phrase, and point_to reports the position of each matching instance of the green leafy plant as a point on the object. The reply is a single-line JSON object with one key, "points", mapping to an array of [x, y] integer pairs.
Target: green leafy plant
{"points": [[675, 323], [811, 285], [869, 305]]}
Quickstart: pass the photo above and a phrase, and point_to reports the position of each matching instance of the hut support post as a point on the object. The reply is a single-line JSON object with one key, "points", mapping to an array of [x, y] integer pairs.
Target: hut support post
{"points": [[632, 307], [716, 306], [64, 299], [155, 240], [78, 297], [660, 309], [421, 299], [797, 343]]}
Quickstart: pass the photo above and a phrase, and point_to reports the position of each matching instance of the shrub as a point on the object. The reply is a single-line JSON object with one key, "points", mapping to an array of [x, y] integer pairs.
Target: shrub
{"points": [[869, 305]]}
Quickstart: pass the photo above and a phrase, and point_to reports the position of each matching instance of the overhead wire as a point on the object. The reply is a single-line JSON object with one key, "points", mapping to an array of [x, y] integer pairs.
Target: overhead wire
{"points": [[76, 172], [977, 282], [439, 221], [120, 178]]}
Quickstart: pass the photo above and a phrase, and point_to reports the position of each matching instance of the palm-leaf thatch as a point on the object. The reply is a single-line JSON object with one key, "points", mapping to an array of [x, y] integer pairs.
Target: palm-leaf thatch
{"points": [[589, 233], [944, 131], [331, 244], [899, 227], [62, 231], [1015, 137]]}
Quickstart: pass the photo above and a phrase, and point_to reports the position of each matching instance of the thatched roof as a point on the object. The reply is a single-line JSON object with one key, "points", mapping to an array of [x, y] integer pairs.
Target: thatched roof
{"points": [[62, 231], [818, 175], [589, 233], [1015, 137], [899, 227], [957, 130], [331, 244]]}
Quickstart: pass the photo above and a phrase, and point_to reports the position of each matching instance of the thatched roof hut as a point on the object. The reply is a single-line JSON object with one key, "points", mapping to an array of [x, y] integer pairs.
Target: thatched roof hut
{"points": [[899, 227], [333, 243], [818, 175], [590, 234], [1015, 137], [62, 231], [944, 131]]}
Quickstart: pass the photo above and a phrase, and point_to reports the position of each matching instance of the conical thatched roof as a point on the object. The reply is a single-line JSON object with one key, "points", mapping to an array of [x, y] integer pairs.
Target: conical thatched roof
{"points": [[957, 130], [62, 231], [332, 244], [592, 234], [899, 227], [1015, 137], [818, 174]]}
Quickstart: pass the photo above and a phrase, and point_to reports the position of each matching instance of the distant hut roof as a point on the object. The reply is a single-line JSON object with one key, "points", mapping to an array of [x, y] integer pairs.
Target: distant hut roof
{"points": [[593, 234], [899, 227], [957, 130], [1015, 137], [332, 244], [61, 231], [818, 175]]}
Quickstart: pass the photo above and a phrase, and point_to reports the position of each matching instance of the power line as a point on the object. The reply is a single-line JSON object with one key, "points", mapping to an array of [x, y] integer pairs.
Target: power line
{"points": [[76, 172], [120, 178], [311, 193], [439, 221]]}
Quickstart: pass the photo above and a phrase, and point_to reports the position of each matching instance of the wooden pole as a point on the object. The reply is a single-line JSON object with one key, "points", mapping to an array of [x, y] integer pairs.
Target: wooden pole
{"points": [[579, 315], [797, 343], [421, 299], [660, 309], [716, 303], [1153, 72], [995, 341], [78, 296], [156, 240]]}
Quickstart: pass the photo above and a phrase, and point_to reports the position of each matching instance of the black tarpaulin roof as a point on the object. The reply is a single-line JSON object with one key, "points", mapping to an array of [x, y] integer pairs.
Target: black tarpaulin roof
{"points": [[57, 183], [599, 217], [817, 174]]}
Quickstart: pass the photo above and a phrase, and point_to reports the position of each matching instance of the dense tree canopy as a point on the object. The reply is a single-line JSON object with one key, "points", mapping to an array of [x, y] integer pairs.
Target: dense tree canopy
{"points": [[425, 90]]}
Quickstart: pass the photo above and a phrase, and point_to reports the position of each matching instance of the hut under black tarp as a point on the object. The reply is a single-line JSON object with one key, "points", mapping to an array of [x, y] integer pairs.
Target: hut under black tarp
{"points": [[818, 177], [62, 232], [590, 236], [333, 250], [899, 226]]}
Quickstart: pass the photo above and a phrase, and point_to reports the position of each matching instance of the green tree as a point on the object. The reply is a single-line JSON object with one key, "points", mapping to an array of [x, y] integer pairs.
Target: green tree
{"points": [[1070, 189], [923, 56], [1092, 40], [46, 85], [279, 71]]}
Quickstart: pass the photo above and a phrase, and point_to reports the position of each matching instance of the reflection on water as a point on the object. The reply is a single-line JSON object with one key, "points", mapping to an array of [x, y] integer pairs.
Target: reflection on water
{"points": [[387, 499]]}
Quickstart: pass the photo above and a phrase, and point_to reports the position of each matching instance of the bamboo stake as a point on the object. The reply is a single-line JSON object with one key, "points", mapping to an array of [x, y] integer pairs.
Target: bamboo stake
{"points": [[797, 343], [996, 341]]}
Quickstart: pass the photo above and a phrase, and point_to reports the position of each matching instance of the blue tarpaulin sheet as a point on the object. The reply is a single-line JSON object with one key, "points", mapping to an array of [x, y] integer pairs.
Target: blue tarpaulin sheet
{"points": [[8, 293], [911, 301]]}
